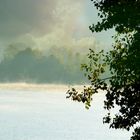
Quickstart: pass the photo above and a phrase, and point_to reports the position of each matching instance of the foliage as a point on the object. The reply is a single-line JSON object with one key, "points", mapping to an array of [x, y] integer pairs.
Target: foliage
{"points": [[136, 135], [123, 86]]}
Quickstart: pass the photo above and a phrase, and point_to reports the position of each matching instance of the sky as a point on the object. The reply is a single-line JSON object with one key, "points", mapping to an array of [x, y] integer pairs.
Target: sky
{"points": [[45, 41]]}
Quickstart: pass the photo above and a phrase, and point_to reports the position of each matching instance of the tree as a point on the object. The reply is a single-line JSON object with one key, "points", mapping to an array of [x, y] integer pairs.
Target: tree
{"points": [[122, 87]]}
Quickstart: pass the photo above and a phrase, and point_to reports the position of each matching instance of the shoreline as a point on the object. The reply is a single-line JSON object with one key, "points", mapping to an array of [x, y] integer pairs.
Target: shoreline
{"points": [[30, 86]]}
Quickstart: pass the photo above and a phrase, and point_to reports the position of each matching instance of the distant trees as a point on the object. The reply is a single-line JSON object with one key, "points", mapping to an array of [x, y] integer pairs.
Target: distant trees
{"points": [[123, 61]]}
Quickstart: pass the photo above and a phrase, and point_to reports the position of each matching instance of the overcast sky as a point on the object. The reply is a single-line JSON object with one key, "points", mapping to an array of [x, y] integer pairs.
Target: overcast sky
{"points": [[48, 27]]}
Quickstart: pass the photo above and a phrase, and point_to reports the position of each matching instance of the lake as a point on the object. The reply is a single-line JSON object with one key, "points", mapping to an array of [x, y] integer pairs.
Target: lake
{"points": [[41, 114]]}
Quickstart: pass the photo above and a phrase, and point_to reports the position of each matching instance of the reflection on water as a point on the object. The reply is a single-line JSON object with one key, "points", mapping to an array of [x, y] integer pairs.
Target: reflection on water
{"points": [[47, 115]]}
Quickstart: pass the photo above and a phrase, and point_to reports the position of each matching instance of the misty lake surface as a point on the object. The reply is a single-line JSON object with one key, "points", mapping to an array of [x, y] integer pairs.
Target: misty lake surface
{"points": [[48, 115]]}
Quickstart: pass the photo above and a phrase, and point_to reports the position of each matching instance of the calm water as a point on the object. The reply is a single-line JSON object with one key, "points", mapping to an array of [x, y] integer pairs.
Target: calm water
{"points": [[42, 115]]}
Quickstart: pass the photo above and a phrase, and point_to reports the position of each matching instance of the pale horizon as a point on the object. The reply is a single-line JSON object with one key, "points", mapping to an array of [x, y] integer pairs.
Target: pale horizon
{"points": [[44, 86]]}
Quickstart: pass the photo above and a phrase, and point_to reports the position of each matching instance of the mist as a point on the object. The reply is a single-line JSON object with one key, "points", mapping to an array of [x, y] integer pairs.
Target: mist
{"points": [[44, 41]]}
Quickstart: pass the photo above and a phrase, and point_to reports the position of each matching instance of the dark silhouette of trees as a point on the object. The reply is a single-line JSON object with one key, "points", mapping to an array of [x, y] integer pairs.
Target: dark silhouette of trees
{"points": [[122, 87]]}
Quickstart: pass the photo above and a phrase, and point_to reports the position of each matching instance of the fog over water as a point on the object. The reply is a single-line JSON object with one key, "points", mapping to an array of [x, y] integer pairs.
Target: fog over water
{"points": [[42, 112], [42, 45]]}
